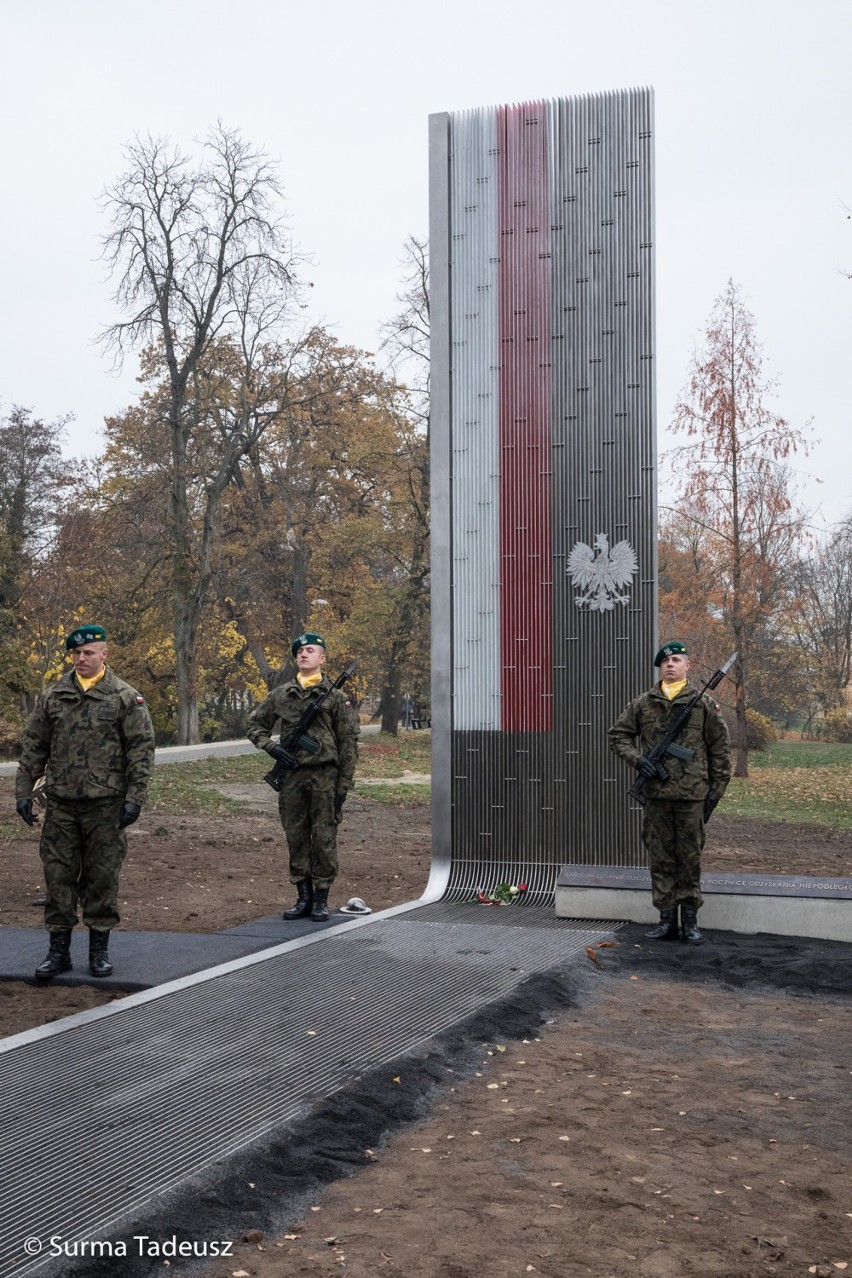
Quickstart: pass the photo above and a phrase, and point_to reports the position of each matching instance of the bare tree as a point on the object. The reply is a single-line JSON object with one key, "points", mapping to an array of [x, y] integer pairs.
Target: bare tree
{"points": [[32, 477], [202, 258], [822, 621], [407, 343], [734, 484]]}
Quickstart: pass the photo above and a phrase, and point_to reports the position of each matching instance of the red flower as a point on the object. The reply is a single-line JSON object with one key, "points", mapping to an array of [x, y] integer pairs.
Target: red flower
{"points": [[522, 887]]}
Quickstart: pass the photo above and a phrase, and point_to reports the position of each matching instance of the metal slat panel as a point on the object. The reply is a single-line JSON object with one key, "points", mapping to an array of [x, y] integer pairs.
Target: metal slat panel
{"points": [[474, 407], [100, 1120], [525, 802]]}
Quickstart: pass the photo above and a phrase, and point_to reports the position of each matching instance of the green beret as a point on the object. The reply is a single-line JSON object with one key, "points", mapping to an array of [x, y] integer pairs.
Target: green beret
{"points": [[673, 649], [301, 640], [85, 634]]}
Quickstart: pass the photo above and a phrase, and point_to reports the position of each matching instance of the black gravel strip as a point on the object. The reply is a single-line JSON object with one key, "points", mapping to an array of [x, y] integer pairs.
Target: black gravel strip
{"points": [[273, 1182], [798, 966]]}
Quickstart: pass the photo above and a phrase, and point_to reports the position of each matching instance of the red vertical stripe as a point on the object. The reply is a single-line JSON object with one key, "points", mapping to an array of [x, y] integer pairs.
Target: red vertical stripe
{"points": [[526, 611]]}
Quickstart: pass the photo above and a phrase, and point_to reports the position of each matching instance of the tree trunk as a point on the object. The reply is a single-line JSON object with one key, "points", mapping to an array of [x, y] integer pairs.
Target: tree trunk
{"points": [[741, 764], [186, 677], [391, 698], [185, 624]]}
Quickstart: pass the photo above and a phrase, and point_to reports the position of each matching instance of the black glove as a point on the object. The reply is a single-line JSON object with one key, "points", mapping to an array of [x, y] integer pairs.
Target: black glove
{"points": [[339, 800], [24, 808], [128, 814], [710, 806], [283, 756], [645, 767]]}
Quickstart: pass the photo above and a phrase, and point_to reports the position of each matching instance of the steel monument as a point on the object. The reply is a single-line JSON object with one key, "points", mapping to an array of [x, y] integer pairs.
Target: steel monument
{"points": [[543, 480]]}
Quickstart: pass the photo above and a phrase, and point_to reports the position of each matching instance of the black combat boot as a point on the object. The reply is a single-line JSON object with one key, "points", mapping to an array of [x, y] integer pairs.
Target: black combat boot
{"points": [[319, 913], [58, 956], [666, 929], [304, 903], [99, 964], [689, 926]]}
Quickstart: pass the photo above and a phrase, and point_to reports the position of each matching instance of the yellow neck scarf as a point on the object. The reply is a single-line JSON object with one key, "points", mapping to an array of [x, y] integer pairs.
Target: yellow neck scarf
{"points": [[309, 681], [672, 689], [86, 684]]}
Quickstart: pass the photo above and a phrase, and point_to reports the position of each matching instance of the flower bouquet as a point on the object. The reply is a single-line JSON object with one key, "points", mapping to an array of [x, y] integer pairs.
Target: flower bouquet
{"points": [[502, 894]]}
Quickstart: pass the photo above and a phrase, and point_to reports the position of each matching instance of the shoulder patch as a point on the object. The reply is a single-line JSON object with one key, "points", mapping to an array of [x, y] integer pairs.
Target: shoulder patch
{"points": [[140, 700]]}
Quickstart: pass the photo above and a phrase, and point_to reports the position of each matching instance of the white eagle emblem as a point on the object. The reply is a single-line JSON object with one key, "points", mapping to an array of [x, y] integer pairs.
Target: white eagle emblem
{"points": [[602, 575]]}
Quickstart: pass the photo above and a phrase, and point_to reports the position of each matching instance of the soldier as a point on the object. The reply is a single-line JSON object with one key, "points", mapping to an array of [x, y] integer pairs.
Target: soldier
{"points": [[92, 738], [678, 809], [312, 795]]}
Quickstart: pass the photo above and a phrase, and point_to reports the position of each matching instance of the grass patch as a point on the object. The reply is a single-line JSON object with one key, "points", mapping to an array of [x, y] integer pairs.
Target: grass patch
{"points": [[180, 787], [803, 754], [395, 794], [796, 781], [191, 787], [386, 756]]}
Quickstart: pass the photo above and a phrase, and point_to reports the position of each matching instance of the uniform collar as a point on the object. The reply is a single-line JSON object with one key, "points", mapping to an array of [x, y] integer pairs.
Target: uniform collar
{"points": [[107, 684], [689, 690]]}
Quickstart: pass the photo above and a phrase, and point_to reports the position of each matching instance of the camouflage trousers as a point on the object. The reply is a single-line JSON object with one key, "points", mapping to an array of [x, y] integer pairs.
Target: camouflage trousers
{"points": [[306, 807], [82, 850], [673, 833]]}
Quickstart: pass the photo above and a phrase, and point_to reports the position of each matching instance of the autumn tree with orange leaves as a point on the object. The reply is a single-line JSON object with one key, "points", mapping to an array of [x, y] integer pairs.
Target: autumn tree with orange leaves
{"points": [[735, 508]]}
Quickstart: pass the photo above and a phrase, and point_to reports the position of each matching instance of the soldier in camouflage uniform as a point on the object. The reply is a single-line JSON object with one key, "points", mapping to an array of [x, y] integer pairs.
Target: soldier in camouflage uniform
{"points": [[678, 809], [92, 735], [312, 795]]}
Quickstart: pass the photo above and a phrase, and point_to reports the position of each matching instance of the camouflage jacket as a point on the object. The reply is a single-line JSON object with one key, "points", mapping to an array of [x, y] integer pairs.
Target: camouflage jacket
{"points": [[335, 731], [93, 745], [638, 729]]}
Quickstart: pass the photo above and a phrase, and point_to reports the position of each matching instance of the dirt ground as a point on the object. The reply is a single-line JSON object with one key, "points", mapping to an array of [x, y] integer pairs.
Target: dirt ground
{"points": [[689, 1114], [662, 1129]]}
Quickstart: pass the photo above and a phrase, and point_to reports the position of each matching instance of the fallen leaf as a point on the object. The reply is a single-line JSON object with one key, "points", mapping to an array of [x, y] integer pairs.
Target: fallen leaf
{"points": [[312, 1033], [608, 945], [564, 1137], [499, 1048], [593, 956], [377, 1211], [492, 1087], [515, 1140], [292, 1237], [398, 1079]]}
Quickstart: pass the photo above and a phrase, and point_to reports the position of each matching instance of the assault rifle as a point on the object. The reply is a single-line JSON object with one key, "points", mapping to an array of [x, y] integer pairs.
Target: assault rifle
{"points": [[667, 744], [297, 738]]}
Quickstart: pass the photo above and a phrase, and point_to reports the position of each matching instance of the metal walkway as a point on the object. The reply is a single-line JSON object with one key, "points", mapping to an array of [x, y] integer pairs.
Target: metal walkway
{"points": [[103, 1113]]}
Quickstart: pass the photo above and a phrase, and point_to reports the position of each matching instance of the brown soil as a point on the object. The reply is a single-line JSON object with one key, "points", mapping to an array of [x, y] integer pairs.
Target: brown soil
{"points": [[667, 1125]]}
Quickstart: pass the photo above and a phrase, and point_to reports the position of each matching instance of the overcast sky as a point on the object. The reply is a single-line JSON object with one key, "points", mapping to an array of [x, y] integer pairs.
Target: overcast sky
{"points": [[753, 149]]}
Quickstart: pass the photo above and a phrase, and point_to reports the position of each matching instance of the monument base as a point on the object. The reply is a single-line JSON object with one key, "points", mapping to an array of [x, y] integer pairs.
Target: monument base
{"points": [[785, 905]]}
